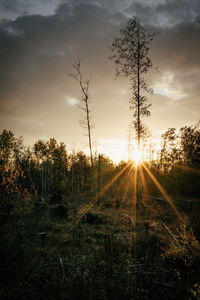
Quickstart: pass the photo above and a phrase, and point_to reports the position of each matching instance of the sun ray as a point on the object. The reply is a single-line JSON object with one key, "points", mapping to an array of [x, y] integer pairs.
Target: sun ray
{"points": [[133, 180], [162, 191], [81, 214], [127, 185], [124, 196], [85, 209], [135, 199], [189, 169], [120, 187], [143, 188]]}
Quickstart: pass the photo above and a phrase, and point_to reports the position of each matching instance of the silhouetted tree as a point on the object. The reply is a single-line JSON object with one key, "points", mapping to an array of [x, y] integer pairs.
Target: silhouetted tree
{"points": [[52, 160], [130, 54], [170, 151], [81, 174], [7, 142], [85, 122], [190, 144]]}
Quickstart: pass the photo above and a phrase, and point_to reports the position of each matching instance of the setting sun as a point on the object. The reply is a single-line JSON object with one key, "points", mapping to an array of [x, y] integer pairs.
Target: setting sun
{"points": [[138, 157]]}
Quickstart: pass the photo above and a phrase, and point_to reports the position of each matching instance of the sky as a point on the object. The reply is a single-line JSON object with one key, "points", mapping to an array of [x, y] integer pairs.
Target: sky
{"points": [[40, 40]]}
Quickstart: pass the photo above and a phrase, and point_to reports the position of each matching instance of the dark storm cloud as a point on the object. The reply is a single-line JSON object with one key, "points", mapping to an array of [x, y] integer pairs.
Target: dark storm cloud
{"points": [[34, 44], [177, 49], [11, 9], [37, 52], [165, 13], [177, 52], [12, 6]]}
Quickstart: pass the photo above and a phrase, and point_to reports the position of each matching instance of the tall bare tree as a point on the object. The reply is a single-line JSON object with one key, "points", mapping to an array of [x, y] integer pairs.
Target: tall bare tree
{"points": [[85, 122], [130, 54]]}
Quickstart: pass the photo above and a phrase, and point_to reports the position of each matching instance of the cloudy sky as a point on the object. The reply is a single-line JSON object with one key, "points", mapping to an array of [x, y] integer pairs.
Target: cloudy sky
{"points": [[41, 39]]}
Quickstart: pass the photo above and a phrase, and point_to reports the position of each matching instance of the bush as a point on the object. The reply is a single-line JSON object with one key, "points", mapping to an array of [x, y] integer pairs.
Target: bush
{"points": [[182, 255]]}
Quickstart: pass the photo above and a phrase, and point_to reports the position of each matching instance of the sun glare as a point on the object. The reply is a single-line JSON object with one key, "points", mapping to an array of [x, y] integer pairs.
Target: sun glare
{"points": [[137, 157]]}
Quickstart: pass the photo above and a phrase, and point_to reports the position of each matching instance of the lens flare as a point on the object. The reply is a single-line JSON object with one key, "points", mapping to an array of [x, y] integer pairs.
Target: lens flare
{"points": [[137, 157], [163, 192]]}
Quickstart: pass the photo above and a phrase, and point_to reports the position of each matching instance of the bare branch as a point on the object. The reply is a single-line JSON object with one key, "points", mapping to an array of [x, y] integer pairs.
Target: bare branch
{"points": [[84, 84]]}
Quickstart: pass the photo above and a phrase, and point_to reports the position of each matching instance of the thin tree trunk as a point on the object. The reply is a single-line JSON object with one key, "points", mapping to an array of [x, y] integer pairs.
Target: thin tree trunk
{"points": [[84, 85], [89, 131], [138, 87], [99, 176], [138, 128]]}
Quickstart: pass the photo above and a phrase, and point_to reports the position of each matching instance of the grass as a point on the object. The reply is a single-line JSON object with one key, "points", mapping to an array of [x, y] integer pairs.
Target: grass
{"points": [[102, 257]]}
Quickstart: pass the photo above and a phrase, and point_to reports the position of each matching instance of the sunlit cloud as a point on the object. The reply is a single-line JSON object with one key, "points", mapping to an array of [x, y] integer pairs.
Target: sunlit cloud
{"points": [[166, 87], [72, 101]]}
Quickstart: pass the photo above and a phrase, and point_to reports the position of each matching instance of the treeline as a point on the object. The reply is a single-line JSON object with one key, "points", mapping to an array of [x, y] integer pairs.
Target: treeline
{"points": [[47, 167], [181, 148], [81, 249], [177, 166]]}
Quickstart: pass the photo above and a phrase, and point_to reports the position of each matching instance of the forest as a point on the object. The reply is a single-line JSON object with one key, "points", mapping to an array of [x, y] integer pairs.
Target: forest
{"points": [[75, 226], [70, 230]]}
